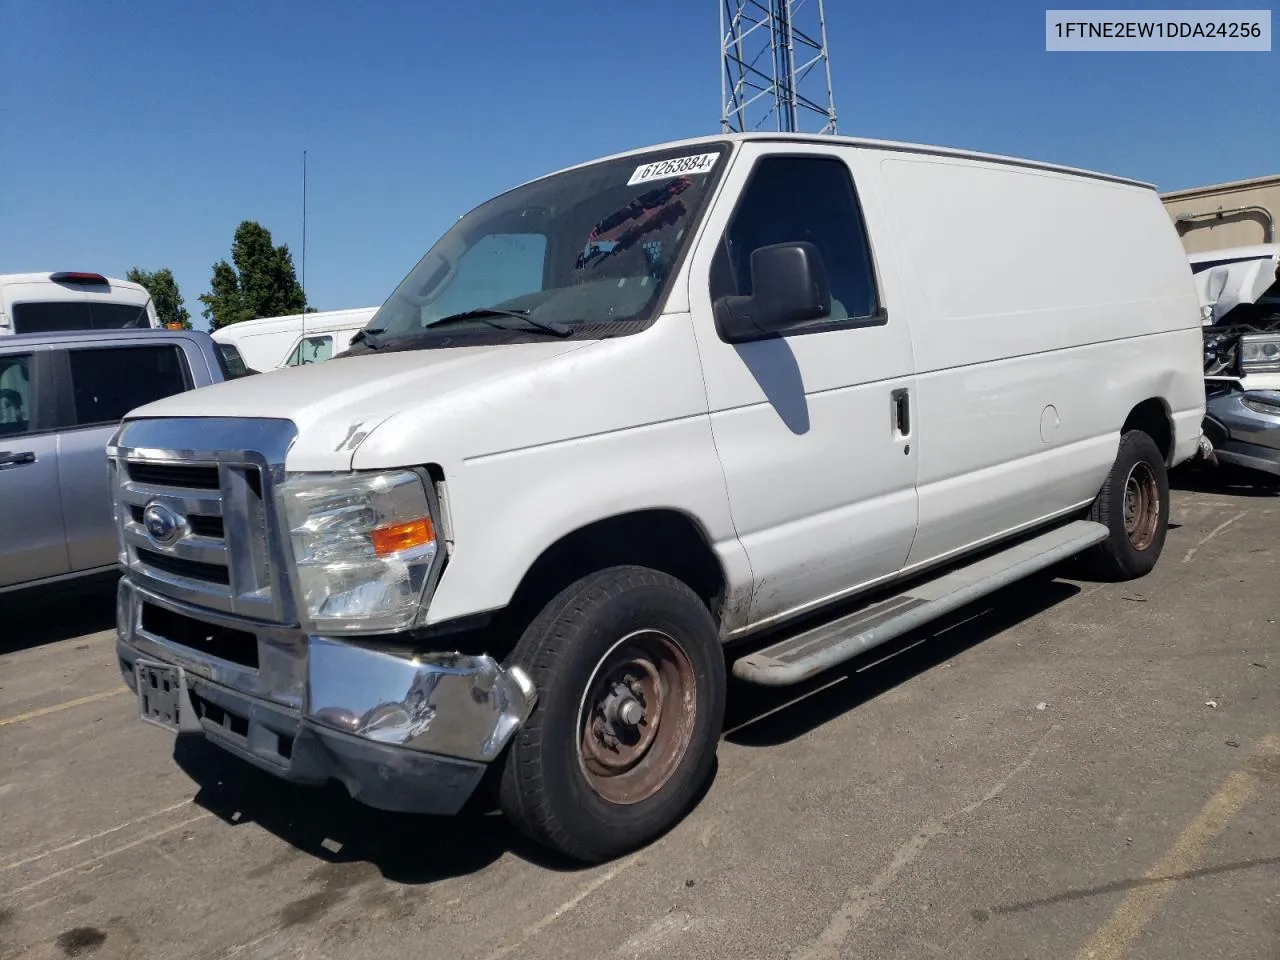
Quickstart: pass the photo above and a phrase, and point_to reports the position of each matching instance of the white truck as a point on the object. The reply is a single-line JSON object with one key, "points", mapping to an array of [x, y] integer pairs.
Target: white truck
{"points": [[618, 431]]}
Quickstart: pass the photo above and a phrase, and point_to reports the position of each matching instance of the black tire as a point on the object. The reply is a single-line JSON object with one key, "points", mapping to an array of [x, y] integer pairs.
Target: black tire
{"points": [[545, 787], [1133, 505]]}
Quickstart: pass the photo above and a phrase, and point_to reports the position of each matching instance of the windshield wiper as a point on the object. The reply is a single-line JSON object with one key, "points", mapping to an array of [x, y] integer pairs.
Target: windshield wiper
{"points": [[369, 337], [553, 327]]}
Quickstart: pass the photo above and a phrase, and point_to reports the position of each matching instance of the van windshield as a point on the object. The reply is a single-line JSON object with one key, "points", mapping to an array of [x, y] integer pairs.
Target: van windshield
{"points": [[589, 250], [47, 316]]}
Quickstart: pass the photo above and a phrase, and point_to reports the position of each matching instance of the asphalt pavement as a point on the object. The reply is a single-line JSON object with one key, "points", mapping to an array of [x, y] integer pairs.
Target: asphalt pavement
{"points": [[1067, 770]]}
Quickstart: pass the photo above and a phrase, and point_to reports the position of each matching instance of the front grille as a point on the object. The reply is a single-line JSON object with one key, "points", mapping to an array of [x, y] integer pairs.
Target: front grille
{"points": [[180, 567], [206, 526], [200, 526], [220, 555], [183, 476], [234, 646]]}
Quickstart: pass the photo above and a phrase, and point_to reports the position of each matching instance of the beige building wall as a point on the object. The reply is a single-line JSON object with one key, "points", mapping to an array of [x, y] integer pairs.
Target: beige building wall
{"points": [[1233, 214]]}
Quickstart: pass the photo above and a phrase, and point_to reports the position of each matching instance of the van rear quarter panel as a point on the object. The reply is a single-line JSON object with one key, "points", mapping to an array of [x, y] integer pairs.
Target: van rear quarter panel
{"points": [[1043, 307]]}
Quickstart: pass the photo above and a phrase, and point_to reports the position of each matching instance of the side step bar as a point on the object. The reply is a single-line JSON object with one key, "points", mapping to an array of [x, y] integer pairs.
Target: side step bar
{"points": [[802, 656]]}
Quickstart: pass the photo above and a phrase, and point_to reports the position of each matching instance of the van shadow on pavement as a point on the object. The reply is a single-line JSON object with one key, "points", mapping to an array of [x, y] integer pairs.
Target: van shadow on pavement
{"points": [[409, 849], [327, 824], [762, 716]]}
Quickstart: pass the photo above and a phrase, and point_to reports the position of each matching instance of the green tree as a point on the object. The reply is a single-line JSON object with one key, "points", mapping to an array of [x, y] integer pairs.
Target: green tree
{"points": [[224, 304], [262, 282], [164, 295]]}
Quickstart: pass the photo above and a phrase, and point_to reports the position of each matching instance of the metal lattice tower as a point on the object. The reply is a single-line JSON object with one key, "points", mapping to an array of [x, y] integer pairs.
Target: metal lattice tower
{"points": [[774, 55]]}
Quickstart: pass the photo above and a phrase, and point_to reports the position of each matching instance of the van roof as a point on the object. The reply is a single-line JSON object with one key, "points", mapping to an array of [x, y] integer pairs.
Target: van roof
{"points": [[319, 317], [47, 277], [868, 144]]}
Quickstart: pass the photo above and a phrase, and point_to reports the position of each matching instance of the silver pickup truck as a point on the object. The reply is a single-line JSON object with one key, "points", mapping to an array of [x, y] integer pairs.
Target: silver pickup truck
{"points": [[62, 395]]}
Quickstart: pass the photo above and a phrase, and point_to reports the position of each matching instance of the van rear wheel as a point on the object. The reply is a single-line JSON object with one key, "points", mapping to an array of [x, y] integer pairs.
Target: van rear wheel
{"points": [[1133, 505], [631, 689]]}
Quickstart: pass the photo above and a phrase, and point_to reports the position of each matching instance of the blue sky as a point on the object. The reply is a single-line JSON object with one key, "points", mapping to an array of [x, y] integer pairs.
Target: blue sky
{"points": [[141, 133]]}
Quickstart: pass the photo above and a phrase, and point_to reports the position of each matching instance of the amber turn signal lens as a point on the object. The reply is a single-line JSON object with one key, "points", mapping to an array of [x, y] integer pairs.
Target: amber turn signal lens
{"points": [[403, 536]]}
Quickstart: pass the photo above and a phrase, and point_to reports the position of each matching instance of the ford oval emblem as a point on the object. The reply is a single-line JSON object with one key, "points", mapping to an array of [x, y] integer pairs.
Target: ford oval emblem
{"points": [[162, 524]]}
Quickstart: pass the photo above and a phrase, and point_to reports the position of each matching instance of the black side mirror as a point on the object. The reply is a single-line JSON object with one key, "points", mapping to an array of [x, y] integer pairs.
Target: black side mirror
{"points": [[789, 287]]}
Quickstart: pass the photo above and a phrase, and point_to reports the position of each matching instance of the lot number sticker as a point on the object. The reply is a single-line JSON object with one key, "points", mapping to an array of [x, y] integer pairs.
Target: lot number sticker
{"points": [[663, 169]]}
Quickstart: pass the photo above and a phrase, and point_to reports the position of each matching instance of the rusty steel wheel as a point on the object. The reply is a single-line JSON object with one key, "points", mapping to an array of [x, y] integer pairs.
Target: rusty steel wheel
{"points": [[1141, 506], [636, 717], [631, 685], [1133, 505]]}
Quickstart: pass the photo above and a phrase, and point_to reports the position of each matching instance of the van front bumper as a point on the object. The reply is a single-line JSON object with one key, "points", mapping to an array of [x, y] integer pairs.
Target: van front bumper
{"points": [[408, 734]]}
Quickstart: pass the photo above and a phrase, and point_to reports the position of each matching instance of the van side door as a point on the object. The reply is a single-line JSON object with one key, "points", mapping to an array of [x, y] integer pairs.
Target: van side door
{"points": [[33, 545], [814, 427], [100, 382]]}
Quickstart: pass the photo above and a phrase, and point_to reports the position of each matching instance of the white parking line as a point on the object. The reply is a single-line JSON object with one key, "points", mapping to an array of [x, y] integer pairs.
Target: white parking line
{"points": [[96, 836], [59, 707], [862, 899], [110, 853], [1211, 534], [537, 927]]}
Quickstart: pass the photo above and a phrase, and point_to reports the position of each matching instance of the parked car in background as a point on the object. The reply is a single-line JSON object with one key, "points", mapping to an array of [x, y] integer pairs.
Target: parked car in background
{"points": [[1239, 291], [292, 341], [61, 397], [45, 302], [625, 416]]}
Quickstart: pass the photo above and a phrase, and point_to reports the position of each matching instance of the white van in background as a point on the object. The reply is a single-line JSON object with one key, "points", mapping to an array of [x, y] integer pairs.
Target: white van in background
{"points": [[47, 302], [302, 338]]}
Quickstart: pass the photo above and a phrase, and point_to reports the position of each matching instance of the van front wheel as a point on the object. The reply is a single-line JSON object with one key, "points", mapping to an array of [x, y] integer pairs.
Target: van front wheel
{"points": [[1133, 505], [631, 689]]}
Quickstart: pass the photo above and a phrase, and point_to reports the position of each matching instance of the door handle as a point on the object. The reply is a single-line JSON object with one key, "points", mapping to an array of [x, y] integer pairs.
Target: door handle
{"points": [[900, 401], [15, 459]]}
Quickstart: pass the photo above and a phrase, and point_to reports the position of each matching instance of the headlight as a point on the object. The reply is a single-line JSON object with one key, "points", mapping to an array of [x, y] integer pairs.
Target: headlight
{"points": [[1260, 353], [363, 548]]}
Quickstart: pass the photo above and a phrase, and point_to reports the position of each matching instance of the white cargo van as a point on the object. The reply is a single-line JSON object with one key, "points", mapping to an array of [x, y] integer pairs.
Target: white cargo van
{"points": [[295, 340], [619, 422], [48, 302]]}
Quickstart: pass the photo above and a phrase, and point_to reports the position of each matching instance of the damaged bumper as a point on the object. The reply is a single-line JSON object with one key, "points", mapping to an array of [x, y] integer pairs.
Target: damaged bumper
{"points": [[409, 734], [1244, 428]]}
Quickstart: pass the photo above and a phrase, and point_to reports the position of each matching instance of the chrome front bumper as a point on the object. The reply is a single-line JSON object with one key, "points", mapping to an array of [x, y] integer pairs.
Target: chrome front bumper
{"points": [[402, 733]]}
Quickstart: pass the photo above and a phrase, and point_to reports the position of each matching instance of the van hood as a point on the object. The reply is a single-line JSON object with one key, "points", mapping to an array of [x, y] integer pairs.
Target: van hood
{"points": [[337, 404]]}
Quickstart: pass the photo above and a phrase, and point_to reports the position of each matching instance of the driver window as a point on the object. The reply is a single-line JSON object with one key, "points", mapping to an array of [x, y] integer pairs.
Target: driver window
{"points": [[500, 267], [311, 350], [794, 198], [15, 395]]}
